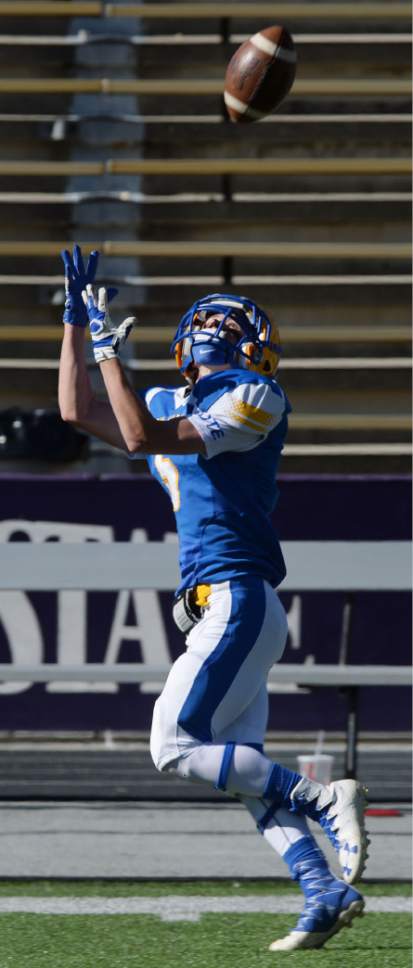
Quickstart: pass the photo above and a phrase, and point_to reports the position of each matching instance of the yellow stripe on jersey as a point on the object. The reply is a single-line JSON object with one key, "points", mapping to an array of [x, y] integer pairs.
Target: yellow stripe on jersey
{"points": [[248, 412], [248, 423]]}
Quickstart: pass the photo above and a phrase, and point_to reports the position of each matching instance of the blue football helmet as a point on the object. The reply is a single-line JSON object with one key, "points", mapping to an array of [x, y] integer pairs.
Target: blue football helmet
{"points": [[257, 347]]}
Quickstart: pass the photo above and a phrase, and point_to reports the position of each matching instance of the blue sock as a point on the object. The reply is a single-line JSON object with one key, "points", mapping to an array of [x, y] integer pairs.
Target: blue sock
{"points": [[305, 860], [325, 895], [280, 784]]}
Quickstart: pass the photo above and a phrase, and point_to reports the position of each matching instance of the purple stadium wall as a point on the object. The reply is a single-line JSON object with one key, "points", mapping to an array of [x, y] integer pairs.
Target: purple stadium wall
{"points": [[129, 627]]}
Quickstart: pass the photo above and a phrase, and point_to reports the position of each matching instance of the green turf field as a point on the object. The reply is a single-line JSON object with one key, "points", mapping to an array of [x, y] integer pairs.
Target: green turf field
{"points": [[215, 940]]}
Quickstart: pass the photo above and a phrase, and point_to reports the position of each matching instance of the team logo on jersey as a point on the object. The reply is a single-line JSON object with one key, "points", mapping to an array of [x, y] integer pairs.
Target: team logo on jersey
{"points": [[212, 424]]}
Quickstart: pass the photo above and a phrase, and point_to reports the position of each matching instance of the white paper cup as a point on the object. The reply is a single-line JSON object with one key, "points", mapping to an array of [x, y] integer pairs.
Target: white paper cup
{"points": [[317, 766]]}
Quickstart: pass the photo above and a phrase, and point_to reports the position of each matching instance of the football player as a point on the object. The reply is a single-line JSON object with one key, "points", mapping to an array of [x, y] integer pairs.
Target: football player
{"points": [[214, 445]]}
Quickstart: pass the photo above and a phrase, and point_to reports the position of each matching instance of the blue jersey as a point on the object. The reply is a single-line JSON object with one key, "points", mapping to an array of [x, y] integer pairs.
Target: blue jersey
{"points": [[222, 501]]}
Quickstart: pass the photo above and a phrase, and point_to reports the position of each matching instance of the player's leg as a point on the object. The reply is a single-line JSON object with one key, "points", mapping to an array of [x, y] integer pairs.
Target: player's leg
{"points": [[329, 903], [244, 771], [229, 654], [284, 828]]}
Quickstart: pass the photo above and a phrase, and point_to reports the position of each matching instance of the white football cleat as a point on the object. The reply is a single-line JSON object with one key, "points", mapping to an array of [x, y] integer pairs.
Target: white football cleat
{"points": [[345, 817], [339, 809], [323, 917]]}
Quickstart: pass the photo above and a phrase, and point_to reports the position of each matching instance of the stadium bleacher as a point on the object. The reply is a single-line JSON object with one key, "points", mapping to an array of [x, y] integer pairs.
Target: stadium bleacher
{"points": [[112, 132]]}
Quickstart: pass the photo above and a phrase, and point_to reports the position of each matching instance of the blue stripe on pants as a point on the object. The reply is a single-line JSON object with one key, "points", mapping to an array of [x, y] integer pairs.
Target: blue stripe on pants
{"points": [[219, 670]]}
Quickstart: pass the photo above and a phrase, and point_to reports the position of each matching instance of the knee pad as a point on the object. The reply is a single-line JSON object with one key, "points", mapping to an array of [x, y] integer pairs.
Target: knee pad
{"points": [[233, 768], [243, 770]]}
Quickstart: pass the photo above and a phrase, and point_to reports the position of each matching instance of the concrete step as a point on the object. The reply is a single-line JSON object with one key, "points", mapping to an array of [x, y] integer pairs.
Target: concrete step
{"points": [[323, 410], [258, 221], [383, 129], [314, 59], [292, 302]]}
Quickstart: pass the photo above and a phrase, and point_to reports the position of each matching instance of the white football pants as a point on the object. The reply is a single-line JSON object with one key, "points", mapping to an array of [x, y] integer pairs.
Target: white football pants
{"points": [[216, 691]]}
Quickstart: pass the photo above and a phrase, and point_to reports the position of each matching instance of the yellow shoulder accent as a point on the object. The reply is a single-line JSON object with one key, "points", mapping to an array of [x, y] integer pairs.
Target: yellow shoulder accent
{"points": [[261, 417], [247, 423]]}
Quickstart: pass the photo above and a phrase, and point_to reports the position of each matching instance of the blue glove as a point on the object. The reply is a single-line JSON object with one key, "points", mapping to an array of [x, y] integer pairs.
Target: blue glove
{"points": [[76, 280], [107, 338]]}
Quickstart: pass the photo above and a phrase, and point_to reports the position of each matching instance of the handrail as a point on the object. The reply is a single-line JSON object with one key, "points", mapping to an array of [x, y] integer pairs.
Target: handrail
{"points": [[209, 166], [202, 198], [51, 8], [354, 12], [220, 249], [84, 38], [313, 363], [298, 673], [163, 281], [337, 449], [341, 118], [171, 87], [348, 450]]}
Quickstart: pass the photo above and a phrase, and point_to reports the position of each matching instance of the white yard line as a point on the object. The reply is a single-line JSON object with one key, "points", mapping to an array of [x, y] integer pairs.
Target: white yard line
{"points": [[181, 907]]}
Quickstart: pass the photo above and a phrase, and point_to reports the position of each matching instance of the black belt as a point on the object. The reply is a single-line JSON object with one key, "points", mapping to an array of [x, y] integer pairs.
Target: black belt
{"points": [[186, 611]]}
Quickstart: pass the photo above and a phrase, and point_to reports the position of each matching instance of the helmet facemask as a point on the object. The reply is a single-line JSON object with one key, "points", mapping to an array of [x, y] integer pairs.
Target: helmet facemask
{"points": [[240, 336]]}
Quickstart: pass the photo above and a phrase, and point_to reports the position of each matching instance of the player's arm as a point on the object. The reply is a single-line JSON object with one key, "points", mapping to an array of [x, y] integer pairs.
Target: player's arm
{"points": [[241, 418], [77, 402], [141, 432]]}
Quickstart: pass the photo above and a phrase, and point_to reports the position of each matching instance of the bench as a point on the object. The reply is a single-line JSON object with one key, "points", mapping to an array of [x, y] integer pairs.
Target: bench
{"points": [[341, 566]]}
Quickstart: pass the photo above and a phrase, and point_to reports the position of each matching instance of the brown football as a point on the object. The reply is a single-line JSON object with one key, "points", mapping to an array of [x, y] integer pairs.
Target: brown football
{"points": [[260, 74]]}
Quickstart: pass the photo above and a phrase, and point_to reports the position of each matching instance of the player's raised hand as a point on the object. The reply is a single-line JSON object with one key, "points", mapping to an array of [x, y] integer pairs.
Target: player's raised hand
{"points": [[107, 338], [77, 277]]}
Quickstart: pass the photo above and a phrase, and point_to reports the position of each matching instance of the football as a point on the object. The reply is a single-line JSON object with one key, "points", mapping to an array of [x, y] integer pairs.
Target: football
{"points": [[260, 74]]}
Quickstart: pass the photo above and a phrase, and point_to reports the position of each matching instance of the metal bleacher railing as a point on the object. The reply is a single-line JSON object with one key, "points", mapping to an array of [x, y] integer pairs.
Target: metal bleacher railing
{"points": [[203, 11], [170, 87], [341, 566], [359, 254]]}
